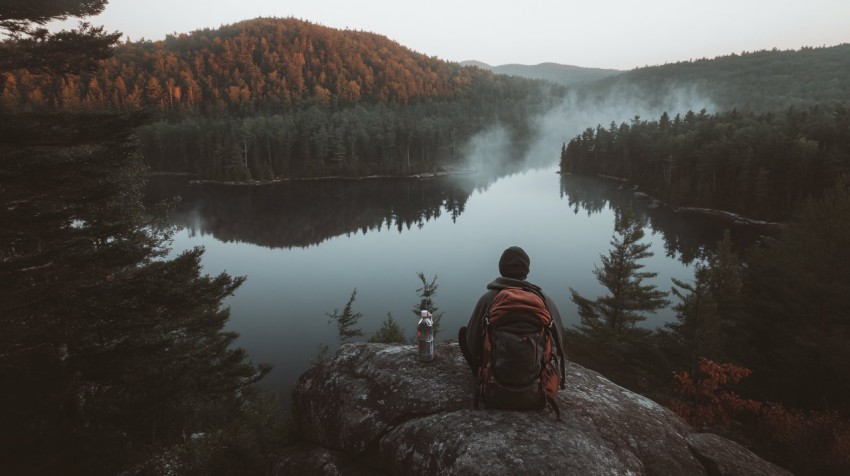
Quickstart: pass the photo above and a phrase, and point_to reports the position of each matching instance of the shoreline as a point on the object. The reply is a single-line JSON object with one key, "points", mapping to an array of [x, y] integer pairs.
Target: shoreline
{"points": [[731, 217], [255, 183]]}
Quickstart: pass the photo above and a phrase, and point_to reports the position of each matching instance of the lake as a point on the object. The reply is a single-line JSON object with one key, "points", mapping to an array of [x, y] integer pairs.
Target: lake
{"points": [[305, 245]]}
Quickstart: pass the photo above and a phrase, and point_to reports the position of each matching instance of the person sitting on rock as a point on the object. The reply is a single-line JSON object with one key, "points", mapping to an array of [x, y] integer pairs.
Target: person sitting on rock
{"points": [[514, 266]]}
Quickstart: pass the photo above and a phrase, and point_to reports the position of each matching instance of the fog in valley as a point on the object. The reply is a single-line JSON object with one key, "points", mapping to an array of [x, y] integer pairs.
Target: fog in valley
{"points": [[491, 150]]}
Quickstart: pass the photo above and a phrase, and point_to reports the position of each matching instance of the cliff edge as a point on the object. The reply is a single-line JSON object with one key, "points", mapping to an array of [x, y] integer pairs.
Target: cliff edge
{"points": [[375, 409]]}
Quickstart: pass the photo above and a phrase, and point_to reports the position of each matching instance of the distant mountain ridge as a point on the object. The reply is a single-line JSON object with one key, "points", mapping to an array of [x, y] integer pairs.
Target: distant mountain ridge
{"points": [[760, 80], [764, 80], [564, 74]]}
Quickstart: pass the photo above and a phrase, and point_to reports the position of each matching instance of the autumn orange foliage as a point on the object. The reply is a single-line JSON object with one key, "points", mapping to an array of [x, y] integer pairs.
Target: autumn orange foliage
{"points": [[705, 401], [804, 442]]}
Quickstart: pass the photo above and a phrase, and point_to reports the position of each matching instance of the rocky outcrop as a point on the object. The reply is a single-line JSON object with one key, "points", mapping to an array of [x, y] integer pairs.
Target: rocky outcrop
{"points": [[375, 409]]}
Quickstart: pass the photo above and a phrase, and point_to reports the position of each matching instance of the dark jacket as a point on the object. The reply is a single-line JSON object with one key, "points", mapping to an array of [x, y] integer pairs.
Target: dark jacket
{"points": [[475, 327]]}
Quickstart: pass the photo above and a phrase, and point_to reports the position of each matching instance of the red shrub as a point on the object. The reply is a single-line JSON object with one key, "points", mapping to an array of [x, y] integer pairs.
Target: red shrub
{"points": [[704, 401]]}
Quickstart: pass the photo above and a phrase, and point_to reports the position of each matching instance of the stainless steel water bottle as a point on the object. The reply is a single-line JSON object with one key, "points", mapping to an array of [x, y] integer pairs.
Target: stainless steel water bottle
{"points": [[425, 336]]}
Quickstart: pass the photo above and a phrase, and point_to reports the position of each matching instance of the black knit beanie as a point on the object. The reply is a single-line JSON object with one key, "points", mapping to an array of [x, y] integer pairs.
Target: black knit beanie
{"points": [[514, 263]]}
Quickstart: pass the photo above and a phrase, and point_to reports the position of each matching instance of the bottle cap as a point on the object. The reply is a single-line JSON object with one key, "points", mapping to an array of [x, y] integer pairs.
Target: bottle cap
{"points": [[424, 313]]}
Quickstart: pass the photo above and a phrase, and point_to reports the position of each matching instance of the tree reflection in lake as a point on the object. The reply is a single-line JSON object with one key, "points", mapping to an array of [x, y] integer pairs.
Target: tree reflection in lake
{"points": [[306, 213], [687, 237]]}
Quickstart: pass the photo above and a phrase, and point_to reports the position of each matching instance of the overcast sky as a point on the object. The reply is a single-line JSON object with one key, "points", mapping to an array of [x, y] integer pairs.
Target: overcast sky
{"points": [[619, 34]]}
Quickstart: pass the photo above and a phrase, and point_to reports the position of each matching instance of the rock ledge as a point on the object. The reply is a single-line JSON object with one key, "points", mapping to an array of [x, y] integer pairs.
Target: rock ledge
{"points": [[375, 409]]}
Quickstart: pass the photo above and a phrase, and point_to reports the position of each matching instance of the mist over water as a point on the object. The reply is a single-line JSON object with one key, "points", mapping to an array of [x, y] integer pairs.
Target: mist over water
{"points": [[490, 150]]}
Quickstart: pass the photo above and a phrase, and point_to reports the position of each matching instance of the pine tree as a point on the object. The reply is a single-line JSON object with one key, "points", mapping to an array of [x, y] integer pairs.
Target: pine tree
{"points": [[619, 311], [426, 294], [110, 352], [346, 320], [106, 346], [708, 309], [35, 48], [608, 339], [389, 333], [798, 322]]}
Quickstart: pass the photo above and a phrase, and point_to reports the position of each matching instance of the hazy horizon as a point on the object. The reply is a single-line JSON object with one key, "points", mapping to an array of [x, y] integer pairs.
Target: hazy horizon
{"points": [[618, 34]]}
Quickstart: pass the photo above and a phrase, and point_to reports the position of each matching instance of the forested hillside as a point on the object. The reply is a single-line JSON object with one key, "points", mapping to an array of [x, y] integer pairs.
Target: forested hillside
{"points": [[778, 135], [256, 65], [270, 98], [759, 81]]}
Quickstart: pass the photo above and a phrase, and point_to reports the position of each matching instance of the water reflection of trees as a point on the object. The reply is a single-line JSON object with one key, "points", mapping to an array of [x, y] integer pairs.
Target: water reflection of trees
{"points": [[686, 237], [305, 213]]}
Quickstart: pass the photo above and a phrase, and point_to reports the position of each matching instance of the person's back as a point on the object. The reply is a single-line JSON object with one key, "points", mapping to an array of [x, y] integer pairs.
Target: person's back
{"points": [[513, 339]]}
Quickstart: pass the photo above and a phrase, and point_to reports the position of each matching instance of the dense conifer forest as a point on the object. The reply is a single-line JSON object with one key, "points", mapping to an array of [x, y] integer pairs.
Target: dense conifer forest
{"points": [[759, 347], [760, 165], [758, 350], [113, 357]]}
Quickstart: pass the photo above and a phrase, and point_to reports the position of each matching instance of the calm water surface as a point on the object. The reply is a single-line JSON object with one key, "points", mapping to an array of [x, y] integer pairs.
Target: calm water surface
{"points": [[305, 245]]}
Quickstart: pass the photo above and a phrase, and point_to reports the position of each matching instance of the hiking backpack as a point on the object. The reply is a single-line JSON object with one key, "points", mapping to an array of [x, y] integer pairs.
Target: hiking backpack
{"points": [[522, 363]]}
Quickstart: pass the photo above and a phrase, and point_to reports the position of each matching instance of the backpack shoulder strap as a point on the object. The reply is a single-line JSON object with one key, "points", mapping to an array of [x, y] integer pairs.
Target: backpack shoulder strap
{"points": [[559, 343], [552, 403], [559, 347]]}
